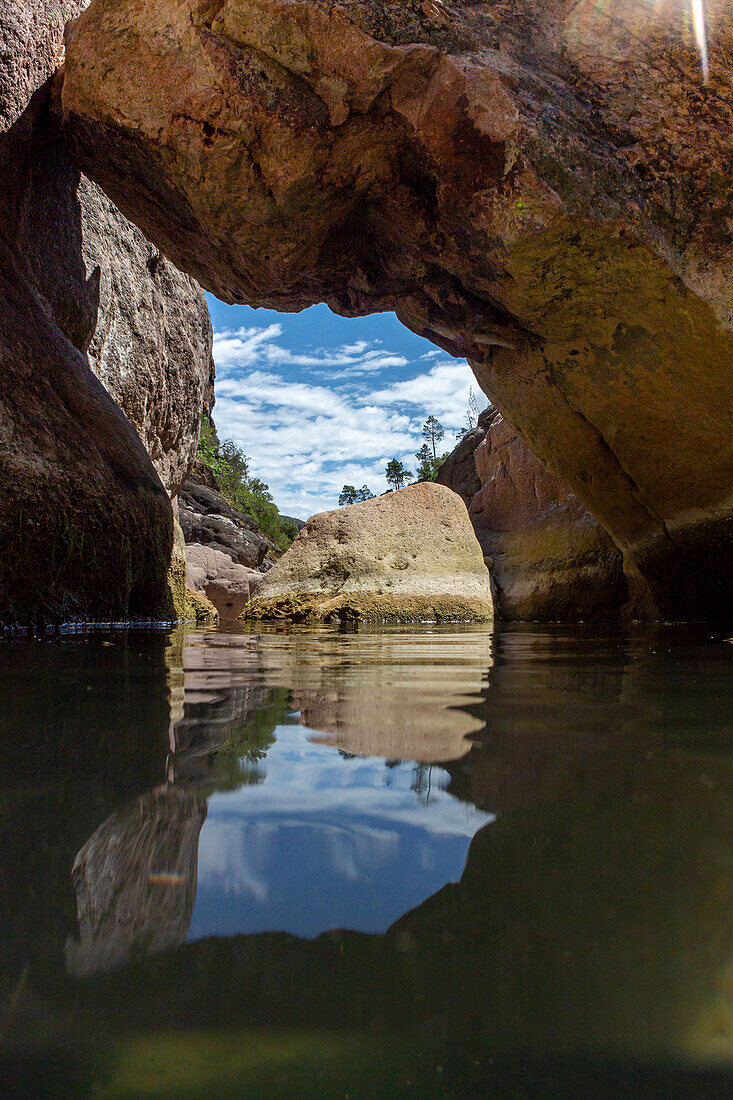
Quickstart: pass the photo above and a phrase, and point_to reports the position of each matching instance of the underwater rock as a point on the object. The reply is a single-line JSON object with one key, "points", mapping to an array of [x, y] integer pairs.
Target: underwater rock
{"points": [[136, 881]]}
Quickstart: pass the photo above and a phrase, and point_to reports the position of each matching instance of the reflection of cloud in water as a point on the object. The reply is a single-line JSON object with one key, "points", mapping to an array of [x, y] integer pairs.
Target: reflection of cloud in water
{"points": [[327, 842], [322, 841]]}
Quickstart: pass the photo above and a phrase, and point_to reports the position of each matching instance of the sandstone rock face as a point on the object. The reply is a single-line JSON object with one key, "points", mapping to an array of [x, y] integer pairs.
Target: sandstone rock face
{"points": [[32, 36], [213, 574], [86, 527], [208, 519], [458, 471], [144, 326], [544, 188], [189, 604], [549, 558], [110, 302], [410, 555]]}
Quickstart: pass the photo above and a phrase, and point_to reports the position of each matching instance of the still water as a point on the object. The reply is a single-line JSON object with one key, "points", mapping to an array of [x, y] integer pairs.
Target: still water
{"points": [[431, 862]]}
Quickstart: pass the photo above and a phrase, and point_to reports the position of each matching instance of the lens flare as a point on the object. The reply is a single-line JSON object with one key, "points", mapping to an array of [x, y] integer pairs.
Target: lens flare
{"points": [[698, 23]]}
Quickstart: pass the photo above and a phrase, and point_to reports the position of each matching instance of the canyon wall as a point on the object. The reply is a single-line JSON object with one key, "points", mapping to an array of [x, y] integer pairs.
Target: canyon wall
{"points": [[549, 558], [86, 528], [544, 189]]}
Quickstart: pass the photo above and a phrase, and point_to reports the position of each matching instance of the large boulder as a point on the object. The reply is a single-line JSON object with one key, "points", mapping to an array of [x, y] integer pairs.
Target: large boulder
{"points": [[214, 575], [208, 519], [86, 527], [405, 556], [542, 187]]}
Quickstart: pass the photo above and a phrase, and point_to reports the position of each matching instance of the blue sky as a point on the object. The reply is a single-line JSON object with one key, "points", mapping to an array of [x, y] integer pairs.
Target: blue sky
{"points": [[318, 401], [325, 842]]}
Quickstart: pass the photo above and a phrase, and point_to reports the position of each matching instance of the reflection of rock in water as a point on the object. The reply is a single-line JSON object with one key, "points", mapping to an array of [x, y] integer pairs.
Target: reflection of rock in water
{"points": [[400, 696], [371, 718], [217, 696], [135, 881]]}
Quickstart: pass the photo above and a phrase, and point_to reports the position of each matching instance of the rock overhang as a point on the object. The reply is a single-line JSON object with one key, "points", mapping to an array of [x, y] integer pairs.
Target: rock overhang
{"points": [[486, 172]]}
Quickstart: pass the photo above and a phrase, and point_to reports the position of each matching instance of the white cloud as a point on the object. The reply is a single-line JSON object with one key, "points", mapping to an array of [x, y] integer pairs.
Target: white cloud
{"points": [[307, 439], [246, 347], [445, 387]]}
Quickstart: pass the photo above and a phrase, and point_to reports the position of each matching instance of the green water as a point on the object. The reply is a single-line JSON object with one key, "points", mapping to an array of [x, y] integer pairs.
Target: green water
{"points": [[431, 862]]}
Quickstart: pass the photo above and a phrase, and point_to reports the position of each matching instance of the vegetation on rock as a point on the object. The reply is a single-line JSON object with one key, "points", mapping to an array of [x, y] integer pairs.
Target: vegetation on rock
{"points": [[396, 473], [241, 488], [351, 495]]}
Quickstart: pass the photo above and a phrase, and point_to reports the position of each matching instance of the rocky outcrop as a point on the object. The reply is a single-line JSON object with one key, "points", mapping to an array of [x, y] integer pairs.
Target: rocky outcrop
{"points": [[549, 558], [543, 188], [113, 304], [32, 35], [86, 527], [458, 471], [221, 580], [405, 556], [144, 326], [209, 520], [190, 604]]}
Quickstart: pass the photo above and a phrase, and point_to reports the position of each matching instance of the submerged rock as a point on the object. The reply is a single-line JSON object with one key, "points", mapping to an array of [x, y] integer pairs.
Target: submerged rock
{"points": [[405, 556], [549, 557], [135, 881], [541, 187], [226, 584]]}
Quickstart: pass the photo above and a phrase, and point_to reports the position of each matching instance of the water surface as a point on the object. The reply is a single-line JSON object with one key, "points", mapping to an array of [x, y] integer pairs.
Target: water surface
{"points": [[441, 861]]}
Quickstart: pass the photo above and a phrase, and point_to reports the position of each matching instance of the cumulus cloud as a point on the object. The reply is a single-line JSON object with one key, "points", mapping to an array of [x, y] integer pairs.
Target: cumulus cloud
{"points": [[312, 420], [249, 346], [446, 386]]}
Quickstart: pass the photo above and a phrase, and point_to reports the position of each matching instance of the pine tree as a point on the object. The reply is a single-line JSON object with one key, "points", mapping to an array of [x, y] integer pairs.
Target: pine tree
{"points": [[426, 468], [433, 431], [396, 473]]}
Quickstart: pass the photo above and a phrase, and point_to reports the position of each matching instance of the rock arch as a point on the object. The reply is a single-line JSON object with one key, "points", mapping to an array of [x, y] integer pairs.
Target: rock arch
{"points": [[544, 188]]}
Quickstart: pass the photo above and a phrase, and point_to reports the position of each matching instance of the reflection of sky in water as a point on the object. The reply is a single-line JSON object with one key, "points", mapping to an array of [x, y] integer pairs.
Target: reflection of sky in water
{"points": [[326, 842]]}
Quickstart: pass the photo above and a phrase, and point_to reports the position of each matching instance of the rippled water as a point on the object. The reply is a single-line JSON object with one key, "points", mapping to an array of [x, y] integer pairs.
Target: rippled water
{"points": [[444, 862]]}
